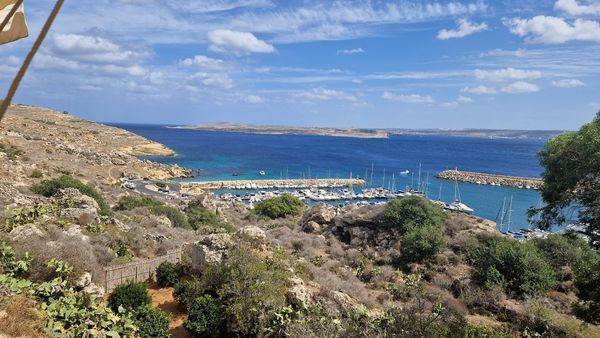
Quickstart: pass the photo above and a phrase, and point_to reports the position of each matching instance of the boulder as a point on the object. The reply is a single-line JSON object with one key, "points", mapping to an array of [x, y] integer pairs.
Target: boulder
{"points": [[252, 233], [312, 226], [321, 213], [85, 283], [118, 161], [210, 250], [25, 232], [368, 215], [298, 294], [81, 216], [78, 199], [76, 232]]}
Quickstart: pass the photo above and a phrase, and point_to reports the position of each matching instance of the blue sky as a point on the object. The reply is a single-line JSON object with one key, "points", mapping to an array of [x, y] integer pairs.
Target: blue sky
{"points": [[403, 64]]}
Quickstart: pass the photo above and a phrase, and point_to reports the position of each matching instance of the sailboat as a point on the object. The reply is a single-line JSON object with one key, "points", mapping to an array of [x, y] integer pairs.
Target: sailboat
{"points": [[458, 205]]}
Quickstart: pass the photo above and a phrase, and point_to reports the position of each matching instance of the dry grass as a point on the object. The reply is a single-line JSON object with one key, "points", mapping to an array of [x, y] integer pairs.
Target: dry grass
{"points": [[21, 318]]}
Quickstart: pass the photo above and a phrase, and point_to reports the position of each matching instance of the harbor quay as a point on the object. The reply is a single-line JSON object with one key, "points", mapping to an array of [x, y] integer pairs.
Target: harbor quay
{"points": [[490, 179], [274, 184]]}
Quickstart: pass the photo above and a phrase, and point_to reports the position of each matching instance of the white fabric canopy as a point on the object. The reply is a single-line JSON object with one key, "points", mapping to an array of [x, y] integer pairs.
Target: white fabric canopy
{"points": [[17, 26]]}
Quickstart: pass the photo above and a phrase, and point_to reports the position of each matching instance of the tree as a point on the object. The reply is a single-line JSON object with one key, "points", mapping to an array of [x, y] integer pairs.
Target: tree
{"points": [[281, 206], [571, 177], [412, 212], [421, 243]]}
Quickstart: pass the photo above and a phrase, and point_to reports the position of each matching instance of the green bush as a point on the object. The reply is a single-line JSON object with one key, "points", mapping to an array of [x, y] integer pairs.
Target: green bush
{"points": [[206, 220], [167, 274], [524, 268], [413, 211], [250, 286], [152, 322], [49, 188], [12, 152], [177, 218], [422, 242], [188, 290], [205, 317], [130, 296], [280, 206], [587, 282], [565, 250]]}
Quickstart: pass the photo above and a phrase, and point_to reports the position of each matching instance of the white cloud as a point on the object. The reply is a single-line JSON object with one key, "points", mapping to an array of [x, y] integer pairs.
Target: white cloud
{"points": [[554, 30], [573, 7], [225, 40], [465, 28], [203, 62], [568, 83], [460, 99], [324, 94], [254, 99], [210, 80], [501, 52], [520, 87], [350, 51], [95, 49], [410, 98], [506, 74], [480, 90]]}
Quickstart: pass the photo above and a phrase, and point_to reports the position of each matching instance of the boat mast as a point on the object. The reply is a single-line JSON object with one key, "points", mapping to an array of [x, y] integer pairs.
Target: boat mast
{"points": [[440, 196], [502, 213], [383, 182], [510, 211], [419, 182], [372, 170]]}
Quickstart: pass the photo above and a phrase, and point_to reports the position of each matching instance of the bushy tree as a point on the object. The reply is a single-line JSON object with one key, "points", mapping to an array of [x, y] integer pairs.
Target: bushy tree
{"points": [[49, 188], [280, 206], [205, 317], [422, 242], [571, 177], [566, 250], [202, 218], [168, 274], [523, 267], [412, 212], [177, 218], [152, 322], [188, 290], [130, 296], [587, 282]]}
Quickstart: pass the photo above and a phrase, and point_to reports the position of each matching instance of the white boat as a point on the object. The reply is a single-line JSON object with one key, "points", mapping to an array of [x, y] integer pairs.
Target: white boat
{"points": [[405, 172], [262, 173], [458, 205]]}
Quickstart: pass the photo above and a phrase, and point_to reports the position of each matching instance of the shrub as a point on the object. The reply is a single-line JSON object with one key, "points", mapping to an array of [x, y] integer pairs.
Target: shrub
{"points": [[158, 208], [206, 220], [205, 317], [587, 282], [152, 322], [565, 250], [36, 173], [413, 211], [188, 290], [250, 286], [167, 274], [130, 296], [49, 188], [281, 206], [523, 267], [12, 152], [422, 242]]}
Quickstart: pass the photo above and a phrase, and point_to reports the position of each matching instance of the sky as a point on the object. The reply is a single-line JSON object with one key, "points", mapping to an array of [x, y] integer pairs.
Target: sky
{"points": [[504, 64]]}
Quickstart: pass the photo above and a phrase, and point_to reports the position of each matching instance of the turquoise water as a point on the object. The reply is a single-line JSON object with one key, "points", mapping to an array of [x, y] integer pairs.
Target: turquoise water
{"points": [[216, 156]]}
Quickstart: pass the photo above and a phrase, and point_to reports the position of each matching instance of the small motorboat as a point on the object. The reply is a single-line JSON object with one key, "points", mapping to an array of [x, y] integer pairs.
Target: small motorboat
{"points": [[262, 173], [405, 172]]}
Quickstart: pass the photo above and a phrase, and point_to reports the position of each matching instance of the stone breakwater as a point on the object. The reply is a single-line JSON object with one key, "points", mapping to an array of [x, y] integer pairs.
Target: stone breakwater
{"points": [[489, 179], [272, 184]]}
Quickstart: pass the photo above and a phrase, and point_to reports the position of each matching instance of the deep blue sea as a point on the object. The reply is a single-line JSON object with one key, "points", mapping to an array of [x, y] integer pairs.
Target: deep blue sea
{"points": [[216, 155]]}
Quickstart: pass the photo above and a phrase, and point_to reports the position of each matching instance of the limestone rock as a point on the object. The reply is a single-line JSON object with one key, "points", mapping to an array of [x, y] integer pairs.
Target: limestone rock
{"points": [[210, 250], [320, 213], [83, 216], [311, 226], [76, 232], [78, 199], [299, 294], [25, 232], [252, 233]]}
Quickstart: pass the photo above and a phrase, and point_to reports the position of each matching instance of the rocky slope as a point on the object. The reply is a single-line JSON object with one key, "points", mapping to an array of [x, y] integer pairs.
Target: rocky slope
{"points": [[39, 142]]}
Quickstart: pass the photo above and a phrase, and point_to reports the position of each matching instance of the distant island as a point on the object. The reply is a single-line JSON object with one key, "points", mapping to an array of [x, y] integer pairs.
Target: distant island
{"points": [[372, 132], [277, 130]]}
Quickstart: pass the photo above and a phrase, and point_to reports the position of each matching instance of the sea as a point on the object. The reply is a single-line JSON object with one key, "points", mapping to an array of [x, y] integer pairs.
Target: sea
{"points": [[220, 155]]}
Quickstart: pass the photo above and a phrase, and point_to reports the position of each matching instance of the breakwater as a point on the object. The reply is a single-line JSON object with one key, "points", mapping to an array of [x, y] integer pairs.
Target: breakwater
{"points": [[273, 184], [489, 179]]}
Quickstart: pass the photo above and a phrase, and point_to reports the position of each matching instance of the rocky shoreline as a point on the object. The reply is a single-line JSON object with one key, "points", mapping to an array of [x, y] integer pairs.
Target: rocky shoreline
{"points": [[490, 179]]}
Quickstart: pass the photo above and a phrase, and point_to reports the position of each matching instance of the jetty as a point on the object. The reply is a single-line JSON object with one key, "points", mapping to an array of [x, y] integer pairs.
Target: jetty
{"points": [[274, 184], [490, 179]]}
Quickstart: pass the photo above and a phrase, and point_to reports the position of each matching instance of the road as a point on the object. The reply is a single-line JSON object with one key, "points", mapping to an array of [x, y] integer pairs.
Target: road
{"points": [[141, 187]]}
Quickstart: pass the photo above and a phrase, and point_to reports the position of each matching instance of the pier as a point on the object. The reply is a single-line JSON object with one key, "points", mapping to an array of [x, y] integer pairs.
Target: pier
{"points": [[489, 179], [273, 184]]}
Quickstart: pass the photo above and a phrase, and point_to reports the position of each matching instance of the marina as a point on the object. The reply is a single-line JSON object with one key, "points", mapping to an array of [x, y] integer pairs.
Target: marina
{"points": [[274, 184]]}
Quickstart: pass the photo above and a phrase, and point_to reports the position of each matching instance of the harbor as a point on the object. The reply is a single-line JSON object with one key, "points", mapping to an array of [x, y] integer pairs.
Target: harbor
{"points": [[490, 179]]}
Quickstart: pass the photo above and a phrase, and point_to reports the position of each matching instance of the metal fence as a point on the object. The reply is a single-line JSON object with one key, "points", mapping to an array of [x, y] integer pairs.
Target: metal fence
{"points": [[138, 271]]}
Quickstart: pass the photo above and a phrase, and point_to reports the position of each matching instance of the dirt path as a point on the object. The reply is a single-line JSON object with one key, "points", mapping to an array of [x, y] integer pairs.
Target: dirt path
{"points": [[163, 299]]}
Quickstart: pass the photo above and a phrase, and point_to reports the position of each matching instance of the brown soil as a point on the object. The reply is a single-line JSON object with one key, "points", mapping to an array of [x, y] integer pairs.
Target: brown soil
{"points": [[162, 298]]}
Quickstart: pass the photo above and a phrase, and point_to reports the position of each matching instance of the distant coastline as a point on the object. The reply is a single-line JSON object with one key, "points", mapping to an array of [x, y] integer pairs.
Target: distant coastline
{"points": [[283, 130], [372, 132]]}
